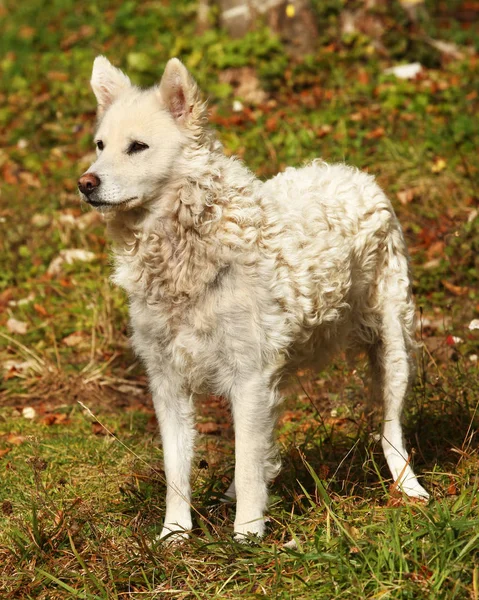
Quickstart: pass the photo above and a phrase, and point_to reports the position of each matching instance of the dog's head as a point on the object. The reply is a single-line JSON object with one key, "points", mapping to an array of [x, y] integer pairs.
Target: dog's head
{"points": [[140, 134]]}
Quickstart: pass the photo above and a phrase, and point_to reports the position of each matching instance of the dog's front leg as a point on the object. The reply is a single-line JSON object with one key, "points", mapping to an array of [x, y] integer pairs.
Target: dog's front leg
{"points": [[254, 413], [174, 409]]}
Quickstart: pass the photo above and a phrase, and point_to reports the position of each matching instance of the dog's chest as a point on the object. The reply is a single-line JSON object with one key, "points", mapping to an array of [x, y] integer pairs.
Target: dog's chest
{"points": [[210, 339]]}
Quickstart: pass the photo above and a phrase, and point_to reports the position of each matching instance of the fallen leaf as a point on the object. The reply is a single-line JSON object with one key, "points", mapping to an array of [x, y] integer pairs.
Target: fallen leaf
{"points": [[324, 130], [438, 165], [375, 133], [271, 124], [209, 427], [54, 419], [40, 220], [436, 249], [29, 179], [457, 290], [451, 488], [245, 83], [74, 339], [10, 173], [448, 48], [5, 298], [23, 301], [15, 439], [14, 368], [131, 390], [4, 451], [431, 264], [41, 310], [57, 76], [405, 196], [98, 429], [70, 40], [15, 326], [69, 257], [26, 32], [409, 71], [363, 77]]}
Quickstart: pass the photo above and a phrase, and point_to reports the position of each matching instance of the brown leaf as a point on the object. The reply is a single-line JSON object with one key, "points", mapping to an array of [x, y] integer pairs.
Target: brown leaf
{"points": [[29, 179], [54, 419], [10, 173], [451, 488], [4, 451], [15, 439], [57, 76], [41, 310], [457, 290], [288, 416], [74, 339], [271, 124], [85, 31], [324, 130], [375, 133], [209, 427], [98, 429], [405, 196], [436, 249], [5, 298], [26, 32], [363, 77]]}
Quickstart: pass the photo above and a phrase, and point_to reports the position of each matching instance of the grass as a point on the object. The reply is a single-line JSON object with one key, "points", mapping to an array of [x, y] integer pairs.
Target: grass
{"points": [[82, 490]]}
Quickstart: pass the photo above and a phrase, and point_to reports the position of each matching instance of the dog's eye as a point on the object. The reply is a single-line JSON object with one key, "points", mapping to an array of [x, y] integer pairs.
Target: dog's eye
{"points": [[99, 145], [135, 147]]}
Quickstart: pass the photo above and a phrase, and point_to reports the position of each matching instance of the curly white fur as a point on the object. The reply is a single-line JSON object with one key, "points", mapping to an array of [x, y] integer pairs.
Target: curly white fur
{"points": [[233, 282]]}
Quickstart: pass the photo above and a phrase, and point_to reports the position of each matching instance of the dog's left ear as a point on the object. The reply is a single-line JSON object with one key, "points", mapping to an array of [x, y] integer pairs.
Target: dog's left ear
{"points": [[178, 90]]}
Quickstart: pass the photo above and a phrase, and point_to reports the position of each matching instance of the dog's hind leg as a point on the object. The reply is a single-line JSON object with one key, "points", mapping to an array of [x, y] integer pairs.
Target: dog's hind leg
{"points": [[392, 370], [174, 409], [254, 412]]}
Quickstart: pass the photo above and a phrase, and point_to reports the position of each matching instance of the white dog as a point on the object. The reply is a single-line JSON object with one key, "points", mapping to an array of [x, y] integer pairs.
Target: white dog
{"points": [[233, 282]]}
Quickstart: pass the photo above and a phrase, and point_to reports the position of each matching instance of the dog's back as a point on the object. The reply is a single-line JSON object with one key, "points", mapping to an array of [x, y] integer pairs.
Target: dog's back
{"points": [[331, 231]]}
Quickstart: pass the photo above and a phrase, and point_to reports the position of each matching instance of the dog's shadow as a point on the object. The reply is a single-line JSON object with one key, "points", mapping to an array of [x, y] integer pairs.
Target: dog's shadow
{"points": [[351, 462]]}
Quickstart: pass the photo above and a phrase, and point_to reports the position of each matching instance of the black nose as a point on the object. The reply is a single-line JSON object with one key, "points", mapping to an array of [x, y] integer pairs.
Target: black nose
{"points": [[88, 183]]}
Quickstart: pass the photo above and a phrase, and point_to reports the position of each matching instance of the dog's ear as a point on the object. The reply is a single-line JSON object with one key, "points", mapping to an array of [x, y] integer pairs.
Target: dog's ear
{"points": [[178, 90], [107, 82]]}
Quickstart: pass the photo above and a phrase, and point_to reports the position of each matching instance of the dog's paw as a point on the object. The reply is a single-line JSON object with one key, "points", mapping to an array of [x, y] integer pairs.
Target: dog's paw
{"points": [[249, 531], [173, 535], [246, 538], [414, 491], [411, 487]]}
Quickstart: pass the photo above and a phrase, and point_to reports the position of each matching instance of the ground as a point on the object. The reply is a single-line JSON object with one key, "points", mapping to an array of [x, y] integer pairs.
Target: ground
{"points": [[83, 488]]}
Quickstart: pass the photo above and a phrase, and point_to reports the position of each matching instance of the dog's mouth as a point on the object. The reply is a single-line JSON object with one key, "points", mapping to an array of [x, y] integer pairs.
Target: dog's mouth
{"points": [[109, 205]]}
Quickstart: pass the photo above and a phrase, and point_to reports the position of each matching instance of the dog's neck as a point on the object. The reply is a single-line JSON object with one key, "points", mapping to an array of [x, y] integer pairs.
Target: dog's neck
{"points": [[201, 222]]}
